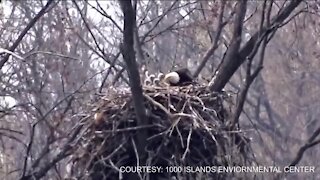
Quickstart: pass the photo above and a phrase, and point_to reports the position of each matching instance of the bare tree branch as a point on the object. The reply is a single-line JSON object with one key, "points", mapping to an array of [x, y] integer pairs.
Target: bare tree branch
{"points": [[64, 152], [24, 32], [250, 76], [113, 62], [310, 143], [236, 57], [232, 52], [214, 46], [105, 14]]}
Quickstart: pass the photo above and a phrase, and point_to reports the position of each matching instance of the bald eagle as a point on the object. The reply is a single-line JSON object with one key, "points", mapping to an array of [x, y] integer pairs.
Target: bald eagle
{"points": [[178, 77]]}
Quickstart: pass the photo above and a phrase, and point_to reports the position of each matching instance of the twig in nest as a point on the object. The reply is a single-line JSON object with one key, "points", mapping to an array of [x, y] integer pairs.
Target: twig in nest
{"points": [[174, 124], [169, 98], [180, 136], [188, 145], [184, 115], [89, 162], [114, 151], [179, 116], [157, 135], [115, 167], [201, 102], [137, 156], [158, 105], [197, 115], [126, 129]]}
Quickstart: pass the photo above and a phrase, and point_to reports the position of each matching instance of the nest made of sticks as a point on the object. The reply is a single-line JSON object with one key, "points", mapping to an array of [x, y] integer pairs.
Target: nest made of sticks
{"points": [[187, 126]]}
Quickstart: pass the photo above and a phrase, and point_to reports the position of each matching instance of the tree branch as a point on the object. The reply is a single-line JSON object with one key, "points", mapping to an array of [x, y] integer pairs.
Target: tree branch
{"points": [[225, 74], [24, 32], [236, 57], [310, 143], [127, 50], [214, 46]]}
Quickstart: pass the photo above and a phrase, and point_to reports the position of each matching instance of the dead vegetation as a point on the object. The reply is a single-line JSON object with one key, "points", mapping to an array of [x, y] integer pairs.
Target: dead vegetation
{"points": [[188, 126]]}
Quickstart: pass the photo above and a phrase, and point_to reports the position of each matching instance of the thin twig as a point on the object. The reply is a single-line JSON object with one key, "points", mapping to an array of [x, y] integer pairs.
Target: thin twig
{"points": [[188, 145]]}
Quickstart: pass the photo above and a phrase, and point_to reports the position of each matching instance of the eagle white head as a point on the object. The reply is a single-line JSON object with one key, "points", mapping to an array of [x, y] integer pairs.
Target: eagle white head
{"points": [[172, 78]]}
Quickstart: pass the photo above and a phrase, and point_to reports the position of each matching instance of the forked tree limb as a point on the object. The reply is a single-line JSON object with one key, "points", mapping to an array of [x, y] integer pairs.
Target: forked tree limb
{"points": [[24, 32], [236, 56]]}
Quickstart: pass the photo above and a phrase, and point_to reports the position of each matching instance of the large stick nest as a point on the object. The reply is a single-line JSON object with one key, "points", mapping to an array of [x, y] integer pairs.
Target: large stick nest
{"points": [[188, 127]]}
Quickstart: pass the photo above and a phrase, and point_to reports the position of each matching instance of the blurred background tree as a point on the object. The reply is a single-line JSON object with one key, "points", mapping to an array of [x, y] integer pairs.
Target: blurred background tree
{"points": [[70, 50]]}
